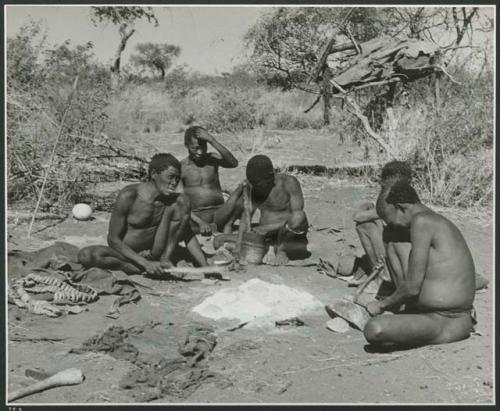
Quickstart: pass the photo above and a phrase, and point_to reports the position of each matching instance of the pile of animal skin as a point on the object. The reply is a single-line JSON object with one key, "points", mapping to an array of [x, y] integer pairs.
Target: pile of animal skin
{"points": [[258, 303]]}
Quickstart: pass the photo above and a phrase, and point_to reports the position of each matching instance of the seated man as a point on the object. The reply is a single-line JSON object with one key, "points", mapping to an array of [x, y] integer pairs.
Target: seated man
{"points": [[281, 203], [436, 285], [147, 222], [369, 226], [200, 179]]}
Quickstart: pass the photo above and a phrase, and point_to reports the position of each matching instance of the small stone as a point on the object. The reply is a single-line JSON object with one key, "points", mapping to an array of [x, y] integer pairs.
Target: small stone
{"points": [[338, 325]]}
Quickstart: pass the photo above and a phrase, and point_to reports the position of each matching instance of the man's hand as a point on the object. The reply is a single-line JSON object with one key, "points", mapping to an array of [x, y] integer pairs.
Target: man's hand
{"points": [[153, 267], [374, 308], [205, 228], [203, 135], [166, 264]]}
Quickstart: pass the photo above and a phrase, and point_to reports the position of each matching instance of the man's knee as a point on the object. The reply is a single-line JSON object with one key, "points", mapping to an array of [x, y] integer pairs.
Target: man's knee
{"points": [[297, 221], [86, 256], [362, 229], [374, 330]]}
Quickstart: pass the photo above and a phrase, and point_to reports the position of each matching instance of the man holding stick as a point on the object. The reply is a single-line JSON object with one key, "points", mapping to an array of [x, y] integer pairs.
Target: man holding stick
{"points": [[282, 218], [147, 222], [435, 282]]}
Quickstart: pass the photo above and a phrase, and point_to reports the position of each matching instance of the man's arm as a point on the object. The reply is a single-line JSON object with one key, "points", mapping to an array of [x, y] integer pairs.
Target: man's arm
{"points": [[292, 186], [366, 212], [421, 233], [224, 157], [118, 227]]}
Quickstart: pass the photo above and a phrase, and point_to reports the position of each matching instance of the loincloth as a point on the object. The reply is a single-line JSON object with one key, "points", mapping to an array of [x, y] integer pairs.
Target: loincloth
{"points": [[458, 314], [207, 211], [452, 313]]}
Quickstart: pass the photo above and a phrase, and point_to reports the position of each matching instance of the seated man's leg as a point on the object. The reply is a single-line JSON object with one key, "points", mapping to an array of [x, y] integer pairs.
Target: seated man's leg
{"points": [[397, 261], [412, 330], [370, 236], [188, 236], [232, 209], [193, 246], [105, 257]]}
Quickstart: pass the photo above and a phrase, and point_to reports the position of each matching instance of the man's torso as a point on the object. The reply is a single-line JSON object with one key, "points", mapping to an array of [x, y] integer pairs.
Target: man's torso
{"points": [[276, 206], [201, 183], [449, 279], [144, 218]]}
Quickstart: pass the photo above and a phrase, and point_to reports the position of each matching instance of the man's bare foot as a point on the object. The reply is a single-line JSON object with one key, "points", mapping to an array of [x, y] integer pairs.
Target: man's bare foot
{"points": [[281, 258], [272, 258]]}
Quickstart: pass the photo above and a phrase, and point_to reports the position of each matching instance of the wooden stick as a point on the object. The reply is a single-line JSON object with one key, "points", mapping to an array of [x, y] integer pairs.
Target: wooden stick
{"points": [[247, 207], [195, 270], [351, 37], [375, 272], [51, 158], [245, 217], [70, 376], [329, 49], [364, 120]]}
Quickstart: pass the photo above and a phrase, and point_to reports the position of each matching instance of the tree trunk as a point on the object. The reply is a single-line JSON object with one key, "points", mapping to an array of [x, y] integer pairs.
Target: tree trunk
{"points": [[162, 73], [326, 109], [115, 68]]}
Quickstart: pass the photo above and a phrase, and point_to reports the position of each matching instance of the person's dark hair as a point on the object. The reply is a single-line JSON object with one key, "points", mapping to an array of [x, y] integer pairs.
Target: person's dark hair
{"points": [[402, 193], [259, 167], [190, 133], [399, 169], [162, 161]]}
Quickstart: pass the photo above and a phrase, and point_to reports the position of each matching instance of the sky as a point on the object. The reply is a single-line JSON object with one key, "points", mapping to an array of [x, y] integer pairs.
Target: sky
{"points": [[211, 38]]}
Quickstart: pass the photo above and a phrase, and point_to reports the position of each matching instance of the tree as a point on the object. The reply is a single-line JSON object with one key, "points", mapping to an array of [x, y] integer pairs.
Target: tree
{"points": [[124, 18], [287, 45], [156, 57]]}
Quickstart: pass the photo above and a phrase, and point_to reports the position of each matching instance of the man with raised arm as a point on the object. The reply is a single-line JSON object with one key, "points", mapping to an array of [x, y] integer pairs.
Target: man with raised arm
{"points": [[435, 282], [200, 180], [147, 222]]}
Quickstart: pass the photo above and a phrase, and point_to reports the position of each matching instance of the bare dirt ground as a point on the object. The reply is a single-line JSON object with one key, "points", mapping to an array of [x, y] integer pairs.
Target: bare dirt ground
{"points": [[307, 364]]}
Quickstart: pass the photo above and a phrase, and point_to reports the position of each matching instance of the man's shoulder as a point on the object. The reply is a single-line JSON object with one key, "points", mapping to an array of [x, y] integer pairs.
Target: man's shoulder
{"points": [[288, 180], [428, 220], [130, 191]]}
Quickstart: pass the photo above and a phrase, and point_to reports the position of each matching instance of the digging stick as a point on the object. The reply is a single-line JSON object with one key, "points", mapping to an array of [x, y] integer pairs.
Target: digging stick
{"points": [[198, 272], [245, 224], [51, 158], [70, 376]]}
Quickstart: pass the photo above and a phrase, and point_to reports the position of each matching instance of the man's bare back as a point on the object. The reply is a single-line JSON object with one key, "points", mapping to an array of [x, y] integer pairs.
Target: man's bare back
{"points": [[449, 279], [436, 286]]}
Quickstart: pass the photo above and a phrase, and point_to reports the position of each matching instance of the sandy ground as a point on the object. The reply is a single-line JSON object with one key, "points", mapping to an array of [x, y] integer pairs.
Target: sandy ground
{"points": [[307, 364]]}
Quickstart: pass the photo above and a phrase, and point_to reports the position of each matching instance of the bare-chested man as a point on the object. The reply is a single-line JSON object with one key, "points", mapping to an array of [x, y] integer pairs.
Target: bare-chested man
{"points": [[281, 203], [200, 179], [436, 288], [147, 222]]}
